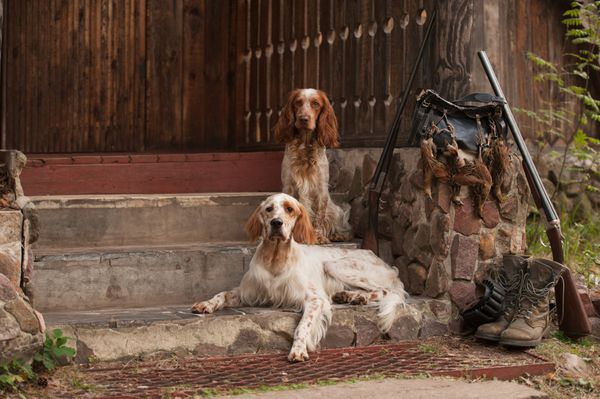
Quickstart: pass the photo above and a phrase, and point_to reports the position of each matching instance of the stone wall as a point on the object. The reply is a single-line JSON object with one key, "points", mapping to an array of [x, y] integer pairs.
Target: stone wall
{"points": [[440, 249], [21, 327]]}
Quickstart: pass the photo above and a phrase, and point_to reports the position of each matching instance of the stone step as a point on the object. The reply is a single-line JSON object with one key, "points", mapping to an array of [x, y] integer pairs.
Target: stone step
{"points": [[115, 277], [86, 221], [125, 333]]}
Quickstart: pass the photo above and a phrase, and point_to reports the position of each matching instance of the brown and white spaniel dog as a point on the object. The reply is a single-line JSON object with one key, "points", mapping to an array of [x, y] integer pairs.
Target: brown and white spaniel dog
{"points": [[286, 273], [307, 125]]}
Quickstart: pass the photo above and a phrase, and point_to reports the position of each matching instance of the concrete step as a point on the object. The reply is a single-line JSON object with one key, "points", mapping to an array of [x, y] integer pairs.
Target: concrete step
{"points": [[136, 276], [116, 277], [126, 333], [86, 221]]}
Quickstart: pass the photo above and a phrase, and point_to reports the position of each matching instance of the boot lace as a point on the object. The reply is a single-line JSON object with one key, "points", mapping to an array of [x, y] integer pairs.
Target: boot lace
{"points": [[512, 287], [530, 297]]}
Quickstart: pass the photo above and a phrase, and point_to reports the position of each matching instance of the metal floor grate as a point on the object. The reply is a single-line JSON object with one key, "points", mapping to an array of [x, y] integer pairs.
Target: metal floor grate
{"points": [[183, 377]]}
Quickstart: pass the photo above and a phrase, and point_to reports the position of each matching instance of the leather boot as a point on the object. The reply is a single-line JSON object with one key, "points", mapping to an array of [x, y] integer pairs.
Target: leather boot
{"points": [[510, 278], [531, 320]]}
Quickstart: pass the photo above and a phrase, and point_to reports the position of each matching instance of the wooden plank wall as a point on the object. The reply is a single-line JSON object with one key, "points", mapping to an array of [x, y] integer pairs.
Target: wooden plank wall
{"points": [[533, 27], [359, 51], [142, 76], [74, 81], [117, 76]]}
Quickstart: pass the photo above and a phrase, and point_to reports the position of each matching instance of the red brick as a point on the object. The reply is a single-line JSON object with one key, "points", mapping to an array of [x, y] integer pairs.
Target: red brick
{"points": [[466, 220], [463, 257], [462, 294], [490, 215], [509, 208]]}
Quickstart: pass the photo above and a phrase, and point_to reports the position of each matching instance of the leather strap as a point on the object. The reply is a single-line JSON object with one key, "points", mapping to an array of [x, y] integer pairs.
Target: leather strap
{"points": [[484, 98]]}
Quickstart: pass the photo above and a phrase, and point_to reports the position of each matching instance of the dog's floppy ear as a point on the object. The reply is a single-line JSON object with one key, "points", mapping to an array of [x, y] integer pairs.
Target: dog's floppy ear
{"points": [[304, 232], [284, 128], [254, 226], [327, 126]]}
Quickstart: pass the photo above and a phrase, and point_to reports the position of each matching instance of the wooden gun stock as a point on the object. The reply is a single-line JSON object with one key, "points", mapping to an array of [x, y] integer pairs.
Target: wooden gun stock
{"points": [[370, 239]]}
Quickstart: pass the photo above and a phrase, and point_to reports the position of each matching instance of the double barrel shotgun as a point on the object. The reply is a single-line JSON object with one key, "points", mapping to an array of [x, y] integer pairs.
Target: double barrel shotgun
{"points": [[572, 317]]}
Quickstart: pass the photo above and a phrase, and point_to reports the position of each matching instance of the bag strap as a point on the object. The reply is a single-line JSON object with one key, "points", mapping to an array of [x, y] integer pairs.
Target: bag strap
{"points": [[484, 98]]}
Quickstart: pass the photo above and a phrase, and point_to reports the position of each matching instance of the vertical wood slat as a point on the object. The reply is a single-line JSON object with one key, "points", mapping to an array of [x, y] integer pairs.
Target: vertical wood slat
{"points": [[194, 88], [217, 73], [163, 88]]}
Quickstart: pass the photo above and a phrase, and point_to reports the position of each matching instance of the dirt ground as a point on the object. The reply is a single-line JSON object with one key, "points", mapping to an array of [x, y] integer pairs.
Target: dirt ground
{"points": [[580, 381]]}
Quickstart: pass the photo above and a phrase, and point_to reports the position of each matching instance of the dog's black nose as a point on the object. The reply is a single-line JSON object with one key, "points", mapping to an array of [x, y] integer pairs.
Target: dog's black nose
{"points": [[303, 118], [276, 223]]}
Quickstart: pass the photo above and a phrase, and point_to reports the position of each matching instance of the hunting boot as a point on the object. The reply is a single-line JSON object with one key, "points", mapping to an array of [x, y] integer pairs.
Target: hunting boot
{"points": [[531, 321], [511, 279]]}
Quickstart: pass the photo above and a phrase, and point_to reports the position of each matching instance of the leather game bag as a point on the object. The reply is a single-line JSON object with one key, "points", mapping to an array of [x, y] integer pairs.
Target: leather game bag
{"points": [[474, 118]]}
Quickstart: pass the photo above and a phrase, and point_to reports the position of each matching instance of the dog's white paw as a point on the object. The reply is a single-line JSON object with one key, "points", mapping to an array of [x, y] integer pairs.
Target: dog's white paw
{"points": [[203, 307], [298, 354]]}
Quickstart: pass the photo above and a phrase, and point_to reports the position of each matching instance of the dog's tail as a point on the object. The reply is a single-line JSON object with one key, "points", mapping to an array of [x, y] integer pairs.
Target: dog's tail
{"points": [[389, 307]]}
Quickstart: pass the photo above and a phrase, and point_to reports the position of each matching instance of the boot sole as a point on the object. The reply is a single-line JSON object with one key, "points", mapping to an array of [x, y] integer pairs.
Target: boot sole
{"points": [[525, 344], [520, 344], [493, 338]]}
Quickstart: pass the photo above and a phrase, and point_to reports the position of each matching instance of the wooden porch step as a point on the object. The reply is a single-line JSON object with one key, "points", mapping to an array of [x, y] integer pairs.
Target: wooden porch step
{"points": [[67, 174]]}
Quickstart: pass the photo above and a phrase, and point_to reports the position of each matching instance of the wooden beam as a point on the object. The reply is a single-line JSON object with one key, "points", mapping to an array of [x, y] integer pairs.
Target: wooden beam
{"points": [[152, 173]]}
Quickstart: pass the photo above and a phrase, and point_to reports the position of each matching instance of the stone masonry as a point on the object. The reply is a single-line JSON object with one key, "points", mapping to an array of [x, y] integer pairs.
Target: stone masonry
{"points": [[441, 250], [21, 327]]}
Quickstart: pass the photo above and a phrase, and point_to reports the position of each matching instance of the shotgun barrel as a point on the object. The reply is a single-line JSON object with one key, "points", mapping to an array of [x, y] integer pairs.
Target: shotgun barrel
{"points": [[572, 317], [378, 180]]}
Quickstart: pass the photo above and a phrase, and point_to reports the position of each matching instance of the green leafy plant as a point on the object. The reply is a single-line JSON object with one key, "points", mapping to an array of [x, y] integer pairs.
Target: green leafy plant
{"points": [[14, 373], [54, 350], [572, 116]]}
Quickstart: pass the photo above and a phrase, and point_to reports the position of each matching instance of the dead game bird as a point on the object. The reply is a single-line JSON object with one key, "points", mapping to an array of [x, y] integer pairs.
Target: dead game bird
{"points": [[496, 157], [455, 165], [477, 176], [431, 165]]}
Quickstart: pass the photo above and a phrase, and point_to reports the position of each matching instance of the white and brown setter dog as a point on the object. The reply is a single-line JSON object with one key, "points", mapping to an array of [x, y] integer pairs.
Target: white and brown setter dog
{"points": [[288, 274], [307, 125]]}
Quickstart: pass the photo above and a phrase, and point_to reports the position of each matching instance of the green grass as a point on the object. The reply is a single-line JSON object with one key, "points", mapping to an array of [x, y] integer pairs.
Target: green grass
{"points": [[581, 244]]}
